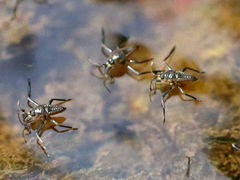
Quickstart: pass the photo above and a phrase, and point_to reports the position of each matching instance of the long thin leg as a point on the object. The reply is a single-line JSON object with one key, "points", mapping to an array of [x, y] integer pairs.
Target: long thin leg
{"points": [[105, 50], [166, 58], [64, 130], [167, 92], [40, 143], [60, 131], [29, 88], [39, 140], [170, 53], [105, 77], [24, 133], [56, 99], [164, 113], [236, 146], [191, 69], [14, 13], [60, 125], [168, 66], [140, 62], [72, 128], [31, 101], [163, 102], [129, 50], [54, 122], [93, 63], [29, 92], [100, 71], [22, 111], [98, 66], [20, 119], [152, 88], [105, 85], [136, 72], [184, 93]]}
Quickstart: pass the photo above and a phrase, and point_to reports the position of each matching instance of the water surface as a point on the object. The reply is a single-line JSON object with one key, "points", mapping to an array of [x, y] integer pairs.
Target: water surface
{"points": [[121, 135]]}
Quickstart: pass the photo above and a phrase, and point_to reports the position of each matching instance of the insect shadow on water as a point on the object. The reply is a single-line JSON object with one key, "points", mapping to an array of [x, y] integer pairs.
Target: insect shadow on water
{"points": [[122, 131], [39, 118], [171, 77], [19, 59], [115, 57]]}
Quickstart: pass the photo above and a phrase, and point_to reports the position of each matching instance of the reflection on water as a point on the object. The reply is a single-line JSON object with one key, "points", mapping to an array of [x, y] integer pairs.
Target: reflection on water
{"points": [[121, 134]]}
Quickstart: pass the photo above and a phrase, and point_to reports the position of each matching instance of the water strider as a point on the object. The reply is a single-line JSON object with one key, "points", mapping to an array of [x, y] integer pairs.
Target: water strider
{"points": [[114, 57], [171, 77], [39, 118]]}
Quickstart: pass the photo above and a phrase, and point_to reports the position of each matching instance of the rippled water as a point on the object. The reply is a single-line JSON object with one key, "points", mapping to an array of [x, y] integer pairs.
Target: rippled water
{"points": [[121, 135]]}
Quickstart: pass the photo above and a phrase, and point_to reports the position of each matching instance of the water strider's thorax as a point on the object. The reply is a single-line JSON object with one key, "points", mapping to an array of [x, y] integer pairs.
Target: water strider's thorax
{"points": [[47, 110]]}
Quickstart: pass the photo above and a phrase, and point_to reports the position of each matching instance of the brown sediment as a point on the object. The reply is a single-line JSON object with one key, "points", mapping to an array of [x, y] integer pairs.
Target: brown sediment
{"points": [[224, 158], [14, 157]]}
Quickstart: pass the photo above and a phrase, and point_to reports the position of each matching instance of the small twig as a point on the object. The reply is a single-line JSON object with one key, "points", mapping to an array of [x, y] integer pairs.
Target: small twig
{"points": [[188, 166]]}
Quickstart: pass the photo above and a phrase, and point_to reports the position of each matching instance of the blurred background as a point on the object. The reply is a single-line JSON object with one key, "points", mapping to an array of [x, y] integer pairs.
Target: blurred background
{"points": [[121, 135]]}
